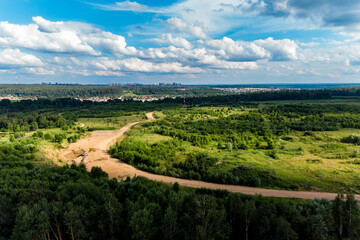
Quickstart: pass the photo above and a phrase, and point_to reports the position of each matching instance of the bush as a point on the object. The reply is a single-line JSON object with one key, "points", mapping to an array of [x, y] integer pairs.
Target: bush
{"points": [[59, 137], [353, 138], [229, 146], [309, 133], [314, 160], [73, 138], [272, 154], [19, 135], [47, 136], [287, 138], [40, 134]]}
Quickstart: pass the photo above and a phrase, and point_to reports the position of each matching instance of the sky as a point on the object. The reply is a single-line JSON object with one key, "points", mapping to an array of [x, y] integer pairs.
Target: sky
{"points": [[187, 41]]}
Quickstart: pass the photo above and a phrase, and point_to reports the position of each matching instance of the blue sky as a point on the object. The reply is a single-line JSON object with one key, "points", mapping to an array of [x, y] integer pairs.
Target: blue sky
{"points": [[188, 41]]}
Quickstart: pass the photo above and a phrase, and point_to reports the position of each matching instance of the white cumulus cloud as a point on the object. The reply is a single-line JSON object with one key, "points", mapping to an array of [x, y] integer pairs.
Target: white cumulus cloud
{"points": [[275, 50], [15, 58], [82, 49], [284, 49], [62, 37], [127, 6], [40, 71], [193, 29], [109, 73], [138, 65], [175, 41]]}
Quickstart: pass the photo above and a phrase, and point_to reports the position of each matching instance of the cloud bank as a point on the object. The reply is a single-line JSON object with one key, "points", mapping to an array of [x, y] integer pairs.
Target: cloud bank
{"points": [[81, 48]]}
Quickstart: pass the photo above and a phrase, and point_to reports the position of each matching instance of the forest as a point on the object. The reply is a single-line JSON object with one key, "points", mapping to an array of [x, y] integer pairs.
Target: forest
{"points": [[87, 91], [47, 202], [233, 139]]}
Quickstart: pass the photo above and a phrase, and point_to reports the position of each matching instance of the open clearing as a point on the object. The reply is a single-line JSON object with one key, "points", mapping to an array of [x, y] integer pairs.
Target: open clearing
{"points": [[92, 151]]}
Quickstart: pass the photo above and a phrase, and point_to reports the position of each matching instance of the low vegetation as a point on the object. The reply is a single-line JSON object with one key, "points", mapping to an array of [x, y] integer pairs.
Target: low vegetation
{"points": [[298, 147]]}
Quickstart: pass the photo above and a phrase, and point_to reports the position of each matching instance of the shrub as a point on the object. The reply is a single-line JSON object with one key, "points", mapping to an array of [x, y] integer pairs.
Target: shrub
{"points": [[353, 138], [40, 134], [47, 136], [229, 146], [314, 160], [287, 138]]}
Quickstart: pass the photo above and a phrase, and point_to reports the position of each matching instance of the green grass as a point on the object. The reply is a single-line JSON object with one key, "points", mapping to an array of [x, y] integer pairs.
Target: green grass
{"points": [[320, 162], [204, 113], [110, 123]]}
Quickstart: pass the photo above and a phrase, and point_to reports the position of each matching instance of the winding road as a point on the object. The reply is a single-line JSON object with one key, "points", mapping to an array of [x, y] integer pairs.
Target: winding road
{"points": [[93, 151]]}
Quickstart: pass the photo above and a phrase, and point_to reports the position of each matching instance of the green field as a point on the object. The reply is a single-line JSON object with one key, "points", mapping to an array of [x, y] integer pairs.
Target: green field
{"points": [[109, 123], [299, 160]]}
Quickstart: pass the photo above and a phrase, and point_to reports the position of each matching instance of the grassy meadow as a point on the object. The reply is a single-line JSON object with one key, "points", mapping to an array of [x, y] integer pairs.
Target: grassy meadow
{"points": [[109, 123], [302, 160]]}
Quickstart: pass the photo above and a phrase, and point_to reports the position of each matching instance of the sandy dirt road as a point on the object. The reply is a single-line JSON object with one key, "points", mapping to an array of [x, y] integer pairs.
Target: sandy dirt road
{"points": [[93, 151]]}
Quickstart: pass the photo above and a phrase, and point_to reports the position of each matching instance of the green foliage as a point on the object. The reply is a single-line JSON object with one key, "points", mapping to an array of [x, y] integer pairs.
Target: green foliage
{"points": [[142, 225], [242, 131], [39, 134], [47, 136], [97, 172], [345, 211], [59, 137], [353, 138], [258, 136], [228, 146], [315, 117], [314, 160], [145, 156], [16, 122], [70, 203], [85, 91]]}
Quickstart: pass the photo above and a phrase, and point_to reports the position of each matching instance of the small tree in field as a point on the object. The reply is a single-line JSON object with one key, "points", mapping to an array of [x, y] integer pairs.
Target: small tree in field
{"points": [[229, 146]]}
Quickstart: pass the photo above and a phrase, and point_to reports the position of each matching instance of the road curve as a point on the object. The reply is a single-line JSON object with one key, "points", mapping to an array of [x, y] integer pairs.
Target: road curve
{"points": [[98, 143]]}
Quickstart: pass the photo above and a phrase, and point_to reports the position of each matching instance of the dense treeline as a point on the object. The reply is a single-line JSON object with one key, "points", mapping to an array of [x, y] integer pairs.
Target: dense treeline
{"points": [[133, 106], [70, 203], [255, 129], [72, 109], [297, 110], [346, 91], [85, 91], [59, 91], [17, 122], [238, 99], [196, 94], [189, 91], [7, 106], [129, 105], [241, 99], [243, 131], [315, 117], [304, 94]]}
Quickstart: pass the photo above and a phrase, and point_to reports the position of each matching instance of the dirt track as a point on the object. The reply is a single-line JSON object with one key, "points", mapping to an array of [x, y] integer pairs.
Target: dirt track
{"points": [[98, 143]]}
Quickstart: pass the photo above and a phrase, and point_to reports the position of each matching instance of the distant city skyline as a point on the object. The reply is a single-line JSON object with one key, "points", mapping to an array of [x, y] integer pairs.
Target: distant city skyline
{"points": [[187, 41]]}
